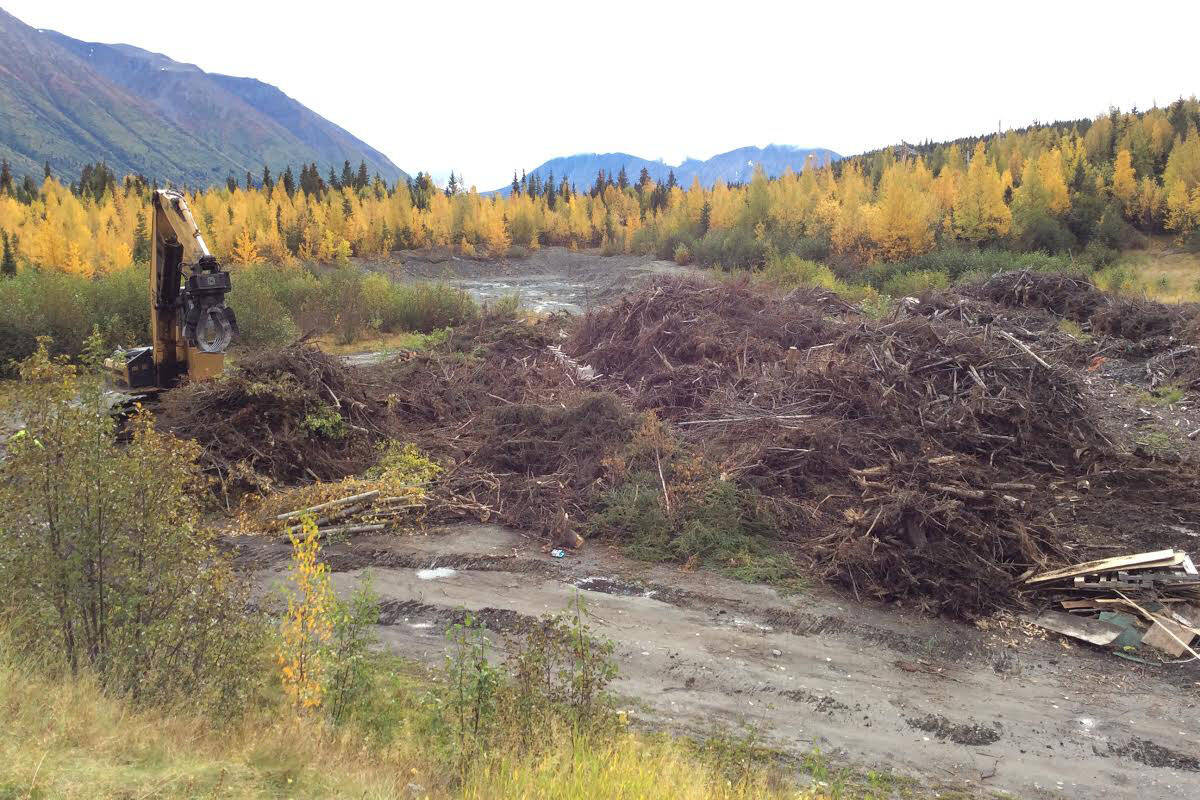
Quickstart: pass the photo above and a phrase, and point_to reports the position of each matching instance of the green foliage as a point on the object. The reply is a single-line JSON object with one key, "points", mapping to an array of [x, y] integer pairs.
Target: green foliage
{"points": [[791, 271], [955, 262], [348, 665], [325, 422], [1166, 394], [465, 711], [404, 463], [722, 526], [560, 669], [915, 283], [102, 566], [682, 254], [275, 305], [731, 248]]}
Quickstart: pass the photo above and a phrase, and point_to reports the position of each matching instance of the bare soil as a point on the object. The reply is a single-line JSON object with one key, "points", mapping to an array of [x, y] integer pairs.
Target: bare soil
{"points": [[977, 709]]}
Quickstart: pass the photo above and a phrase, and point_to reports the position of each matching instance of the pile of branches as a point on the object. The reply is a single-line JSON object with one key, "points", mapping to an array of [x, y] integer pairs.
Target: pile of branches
{"points": [[903, 457], [676, 343], [520, 432], [1063, 295], [279, 417], [1151, 324]]}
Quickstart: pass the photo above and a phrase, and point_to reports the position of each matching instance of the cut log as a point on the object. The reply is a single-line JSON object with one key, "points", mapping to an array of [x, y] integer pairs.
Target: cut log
{"points": [[331, 504]]}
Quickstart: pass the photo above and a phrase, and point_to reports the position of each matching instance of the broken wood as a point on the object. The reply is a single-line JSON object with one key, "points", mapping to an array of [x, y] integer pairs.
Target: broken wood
{"points": [[1092, 631], [1009, 337], [1158, 558]]}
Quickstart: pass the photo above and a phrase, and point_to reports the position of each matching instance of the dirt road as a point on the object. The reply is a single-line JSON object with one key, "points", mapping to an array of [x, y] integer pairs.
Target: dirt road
{"points": [[945, 703]]}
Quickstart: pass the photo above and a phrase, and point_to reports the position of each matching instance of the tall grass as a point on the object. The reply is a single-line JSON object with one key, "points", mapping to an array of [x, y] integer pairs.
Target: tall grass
{"points": [[67, 739]]}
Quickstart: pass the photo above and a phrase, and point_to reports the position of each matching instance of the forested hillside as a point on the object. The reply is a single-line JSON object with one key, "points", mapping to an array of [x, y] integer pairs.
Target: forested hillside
{"points": [[1089, 186]]}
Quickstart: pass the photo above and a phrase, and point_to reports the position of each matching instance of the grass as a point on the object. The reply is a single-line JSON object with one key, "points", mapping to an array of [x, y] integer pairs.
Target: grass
{"points": [[383, 342], [66, 739], [1166, 394], [1161, 272]]}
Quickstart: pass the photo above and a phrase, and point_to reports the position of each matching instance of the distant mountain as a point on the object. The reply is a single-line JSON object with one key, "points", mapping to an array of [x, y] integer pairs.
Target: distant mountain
{"points": [[736, 166], [69, 102]]}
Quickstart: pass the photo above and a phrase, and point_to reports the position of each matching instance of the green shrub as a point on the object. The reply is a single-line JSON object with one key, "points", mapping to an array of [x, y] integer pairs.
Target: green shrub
{"points": [[682, 255], [916, 283], [263, 318], [121, 306], [16, 345], [103, 567], [725, 529], [731, 249], [791, 271], [325, 423]]}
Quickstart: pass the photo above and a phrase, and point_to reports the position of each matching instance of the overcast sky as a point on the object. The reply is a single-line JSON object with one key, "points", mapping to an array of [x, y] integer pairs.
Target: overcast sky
{"points": [[483, 87]]}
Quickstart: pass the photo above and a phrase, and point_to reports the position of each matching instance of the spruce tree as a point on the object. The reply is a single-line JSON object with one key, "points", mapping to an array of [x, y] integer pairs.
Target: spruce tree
{"points": [[46, 169], [705, 217], [141, 240], [622, 179], [267, 182], [6, 179], [548, 191], [347, 174], [360, 181], [516, 186], [8, 264]]}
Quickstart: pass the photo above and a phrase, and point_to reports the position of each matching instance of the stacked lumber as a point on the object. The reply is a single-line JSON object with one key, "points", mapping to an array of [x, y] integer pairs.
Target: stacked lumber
{"points": [[365, 512], [1132, 602]]}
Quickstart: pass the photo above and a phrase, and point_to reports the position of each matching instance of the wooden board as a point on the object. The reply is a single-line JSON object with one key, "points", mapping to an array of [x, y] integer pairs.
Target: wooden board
{"points": [[1072, 604], [1158, 558], [1085, 629], [1159, 638]]}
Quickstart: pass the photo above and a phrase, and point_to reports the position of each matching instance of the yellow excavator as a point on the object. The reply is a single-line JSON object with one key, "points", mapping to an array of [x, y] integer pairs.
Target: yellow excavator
{"points": [[190, 325]]}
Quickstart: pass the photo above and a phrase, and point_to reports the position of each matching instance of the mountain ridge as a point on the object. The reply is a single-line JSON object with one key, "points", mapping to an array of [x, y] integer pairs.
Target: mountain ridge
{"points": [[69, 102], [734, 166]]}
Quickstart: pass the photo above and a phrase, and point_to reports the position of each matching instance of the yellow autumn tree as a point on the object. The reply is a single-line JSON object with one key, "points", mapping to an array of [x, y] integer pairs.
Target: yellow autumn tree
{"points": [[245, 251], [901, 225], [1183, 208], [307, 626], [979, 209], [1124, 182]]}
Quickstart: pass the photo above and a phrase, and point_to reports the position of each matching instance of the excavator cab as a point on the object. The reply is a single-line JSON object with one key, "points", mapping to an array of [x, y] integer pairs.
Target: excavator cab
{"points": [[190, 324]]}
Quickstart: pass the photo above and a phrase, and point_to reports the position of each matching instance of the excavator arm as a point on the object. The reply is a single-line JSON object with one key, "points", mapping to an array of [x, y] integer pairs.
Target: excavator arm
{"points": [[190, 324]]}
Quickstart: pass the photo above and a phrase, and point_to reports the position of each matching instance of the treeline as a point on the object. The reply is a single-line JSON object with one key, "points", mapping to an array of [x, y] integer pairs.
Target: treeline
{"points": [[1062, 187]]}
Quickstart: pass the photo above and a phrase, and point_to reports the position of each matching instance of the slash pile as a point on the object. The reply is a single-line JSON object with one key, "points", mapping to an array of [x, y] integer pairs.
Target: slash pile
{"points": [[903, 458], [934, 457]]}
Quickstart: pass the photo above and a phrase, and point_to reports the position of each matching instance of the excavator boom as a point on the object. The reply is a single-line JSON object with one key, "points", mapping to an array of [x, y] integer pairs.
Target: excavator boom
{"points": [[190, 325]]}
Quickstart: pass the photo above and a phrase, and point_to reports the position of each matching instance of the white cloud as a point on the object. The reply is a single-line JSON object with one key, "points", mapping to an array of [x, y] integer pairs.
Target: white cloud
{"points": [[483, 87]]}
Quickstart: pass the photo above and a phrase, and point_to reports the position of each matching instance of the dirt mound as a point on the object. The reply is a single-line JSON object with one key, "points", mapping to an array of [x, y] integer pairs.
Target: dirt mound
{"points": [[286, 415]]}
